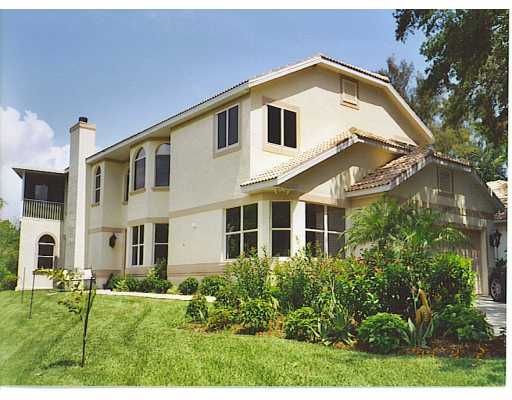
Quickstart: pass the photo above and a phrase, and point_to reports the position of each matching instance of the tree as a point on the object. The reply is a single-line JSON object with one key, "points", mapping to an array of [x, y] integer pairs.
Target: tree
{"points": [[9, 243], [462, 142], [467, 52]]}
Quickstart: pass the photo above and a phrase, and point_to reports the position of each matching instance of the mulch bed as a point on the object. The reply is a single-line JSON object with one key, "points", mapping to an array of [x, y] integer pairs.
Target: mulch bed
{"points": [[495, 348]]}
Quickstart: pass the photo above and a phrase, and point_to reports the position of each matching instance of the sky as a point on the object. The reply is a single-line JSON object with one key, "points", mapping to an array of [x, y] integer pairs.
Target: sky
{"points": [[126, 70]]}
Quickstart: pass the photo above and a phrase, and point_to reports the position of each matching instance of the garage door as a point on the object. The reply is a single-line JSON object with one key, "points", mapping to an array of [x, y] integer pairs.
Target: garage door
{"points": [[472, 249]]}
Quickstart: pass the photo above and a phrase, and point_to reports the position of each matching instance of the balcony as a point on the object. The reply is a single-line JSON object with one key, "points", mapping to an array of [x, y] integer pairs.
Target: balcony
{"points": [[43, 209]]}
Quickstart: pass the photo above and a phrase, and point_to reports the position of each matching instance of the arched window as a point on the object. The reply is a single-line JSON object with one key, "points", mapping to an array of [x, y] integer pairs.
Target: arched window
{"points": [[162, 164], [45, 252], [97, 185], [139, 178], [126, 185]]}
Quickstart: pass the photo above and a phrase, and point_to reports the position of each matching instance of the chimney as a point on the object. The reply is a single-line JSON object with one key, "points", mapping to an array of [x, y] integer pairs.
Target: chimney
{"points": [[82, 145]]}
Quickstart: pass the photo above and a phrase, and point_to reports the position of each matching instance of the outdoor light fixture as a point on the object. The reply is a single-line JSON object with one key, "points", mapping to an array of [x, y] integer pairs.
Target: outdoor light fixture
{"points": [[112, 240], [494, 238]]}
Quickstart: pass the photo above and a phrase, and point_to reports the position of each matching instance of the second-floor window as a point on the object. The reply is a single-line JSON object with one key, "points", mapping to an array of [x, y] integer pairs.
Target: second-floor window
{"points": [[97, 185], [281, 126], [162, 164], [227, 127], [139, 166], [126, 186], [138, 245]]}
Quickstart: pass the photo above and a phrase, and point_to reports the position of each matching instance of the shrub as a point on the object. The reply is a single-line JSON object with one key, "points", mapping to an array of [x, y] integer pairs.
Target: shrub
{"points": [[221, 318], [302, 278], [451, 280], [188, 286], [301, 324], [250, 277], [227, 297], [197, 309], [152, 283], [211, 285], [8, 282], [462, 323], [132, 284], [121, 285], [160, 269], [112, 281], [334, 321], [256, 315], [383, 332]]}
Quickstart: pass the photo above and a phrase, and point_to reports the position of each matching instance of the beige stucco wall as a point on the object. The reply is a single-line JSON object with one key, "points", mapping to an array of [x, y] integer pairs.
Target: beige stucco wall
{"points": [[31, 230], [315, 94]]}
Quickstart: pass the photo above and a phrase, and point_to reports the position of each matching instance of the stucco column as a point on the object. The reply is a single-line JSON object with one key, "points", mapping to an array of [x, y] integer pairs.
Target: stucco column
{"points": [[298, 223], [487, 261], [264, 227], [148, 245]]}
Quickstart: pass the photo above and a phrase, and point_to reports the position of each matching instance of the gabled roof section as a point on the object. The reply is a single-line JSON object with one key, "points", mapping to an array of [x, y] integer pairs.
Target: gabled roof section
{"points": [[309, 158], [244, 86], [397, 171]]}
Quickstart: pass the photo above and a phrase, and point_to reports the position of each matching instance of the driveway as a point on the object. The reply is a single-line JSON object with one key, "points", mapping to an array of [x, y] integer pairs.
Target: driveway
{"points": [[496, 312]]}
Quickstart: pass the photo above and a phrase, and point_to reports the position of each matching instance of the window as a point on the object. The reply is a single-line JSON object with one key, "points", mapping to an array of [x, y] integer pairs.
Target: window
{"points": [[227, 127], [445, 180], [241, 230], [349, 91], [281, 126], [281, 229], [138, 245], [161, 242], [45, 256], [41, 192], [324, 228], [126, 186], [97, 186], [162, 164], [139, 179]]}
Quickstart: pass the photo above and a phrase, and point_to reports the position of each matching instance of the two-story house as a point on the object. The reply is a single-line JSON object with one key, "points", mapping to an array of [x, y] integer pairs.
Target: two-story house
{"points": [[275, 162]]}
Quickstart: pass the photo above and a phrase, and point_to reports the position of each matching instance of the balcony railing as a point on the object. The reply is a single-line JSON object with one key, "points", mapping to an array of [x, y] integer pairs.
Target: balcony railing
{"points": [[43, 209]]}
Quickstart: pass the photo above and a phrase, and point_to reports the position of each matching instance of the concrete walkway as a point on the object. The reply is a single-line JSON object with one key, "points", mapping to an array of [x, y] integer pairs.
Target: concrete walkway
{"points": [[496, 312], [183, 297]]}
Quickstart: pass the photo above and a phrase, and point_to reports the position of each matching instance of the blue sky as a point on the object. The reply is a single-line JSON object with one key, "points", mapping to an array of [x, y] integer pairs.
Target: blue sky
{"points": [[126, 70]]}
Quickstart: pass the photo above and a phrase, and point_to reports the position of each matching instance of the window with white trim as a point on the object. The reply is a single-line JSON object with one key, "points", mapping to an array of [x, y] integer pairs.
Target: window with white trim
{"points": [[226, 123], [324, 229], [241, 230], [45, 252], [349, 92], [162, 164], [138, 245], [126, 186], [445, 180], [161, 242], [139, 178], [97, 185], [281, 126], [281, 228]]}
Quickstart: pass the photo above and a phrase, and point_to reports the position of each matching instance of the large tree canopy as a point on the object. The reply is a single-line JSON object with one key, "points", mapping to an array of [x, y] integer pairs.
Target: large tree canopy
{"points": [[467, 55]]}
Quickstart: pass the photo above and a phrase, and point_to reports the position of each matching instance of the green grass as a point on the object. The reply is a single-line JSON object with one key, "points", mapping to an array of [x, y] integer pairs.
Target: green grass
{"points": [[137, 341]]}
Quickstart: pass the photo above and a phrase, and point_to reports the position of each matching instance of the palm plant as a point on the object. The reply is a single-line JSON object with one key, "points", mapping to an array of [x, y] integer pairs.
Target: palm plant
{"points": [[388, 225]]}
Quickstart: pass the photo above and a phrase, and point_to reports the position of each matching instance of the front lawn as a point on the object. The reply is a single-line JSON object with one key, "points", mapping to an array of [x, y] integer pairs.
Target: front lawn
{"points": [[136, 341]]}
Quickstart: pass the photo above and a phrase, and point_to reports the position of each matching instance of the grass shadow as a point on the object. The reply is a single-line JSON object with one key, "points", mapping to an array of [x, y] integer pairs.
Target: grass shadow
{"points": [[62, 363]]}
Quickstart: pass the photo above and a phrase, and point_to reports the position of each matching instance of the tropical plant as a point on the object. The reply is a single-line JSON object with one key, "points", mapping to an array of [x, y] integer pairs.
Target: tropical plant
{"points": [[383, 332], [153, 283], [462, 323], [221, 318], [334, 321], [301, 324], [421, 330], [188, 286], [197, 309], [256, 314], [249, 277], [211, 285]]}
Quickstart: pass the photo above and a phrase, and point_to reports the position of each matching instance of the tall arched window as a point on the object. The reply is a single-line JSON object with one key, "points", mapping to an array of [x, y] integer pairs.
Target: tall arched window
{"points": [[45, 252], [97, 185], [162, 164], [139, 168]]}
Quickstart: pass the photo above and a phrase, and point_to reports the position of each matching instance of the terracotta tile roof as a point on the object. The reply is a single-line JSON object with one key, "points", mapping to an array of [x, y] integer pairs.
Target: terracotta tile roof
{"points": [[401, 165], [310, 154], [500, 189]]}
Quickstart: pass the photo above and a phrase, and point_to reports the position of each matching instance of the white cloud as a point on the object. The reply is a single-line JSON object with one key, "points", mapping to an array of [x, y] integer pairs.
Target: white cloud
{"points": [[24, 140]]}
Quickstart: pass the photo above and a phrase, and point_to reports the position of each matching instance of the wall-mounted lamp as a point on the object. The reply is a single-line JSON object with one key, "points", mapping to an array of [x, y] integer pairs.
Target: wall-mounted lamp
{"points": [[112, 240]]}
